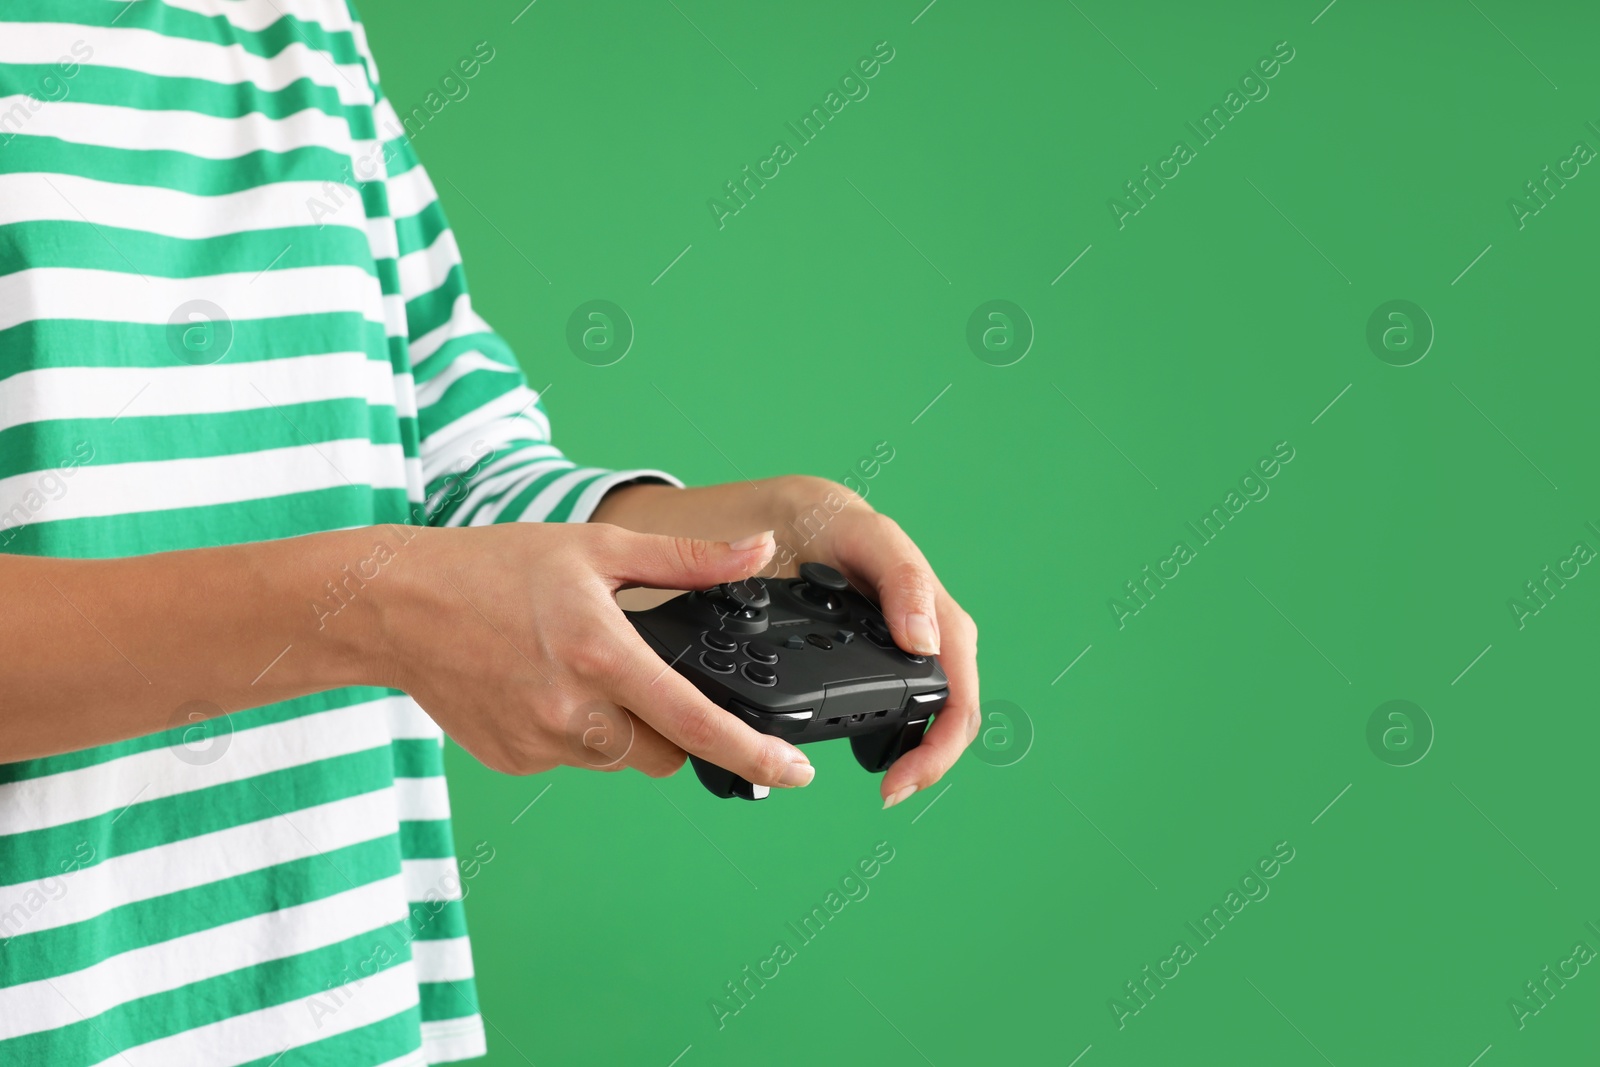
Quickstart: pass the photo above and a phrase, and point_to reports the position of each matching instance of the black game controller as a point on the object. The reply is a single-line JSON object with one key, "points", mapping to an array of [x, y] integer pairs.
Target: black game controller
{"points": [[805, 659]]}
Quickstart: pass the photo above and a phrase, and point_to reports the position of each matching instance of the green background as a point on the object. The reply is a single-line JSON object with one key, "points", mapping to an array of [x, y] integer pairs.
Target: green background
{"points": [[1222, 319]]}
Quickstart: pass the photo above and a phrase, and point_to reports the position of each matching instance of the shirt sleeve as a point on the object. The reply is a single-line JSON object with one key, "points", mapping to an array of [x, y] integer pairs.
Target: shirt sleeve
{"points": [[483, 436]]}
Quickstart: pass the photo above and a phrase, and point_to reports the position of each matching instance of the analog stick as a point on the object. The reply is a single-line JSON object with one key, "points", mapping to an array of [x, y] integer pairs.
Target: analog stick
{"points": [[820, 585], [748, 594], [740, 606]]}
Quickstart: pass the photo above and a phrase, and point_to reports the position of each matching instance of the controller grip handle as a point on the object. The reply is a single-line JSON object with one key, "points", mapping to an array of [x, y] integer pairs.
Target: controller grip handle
{"points": [[724, 783]]}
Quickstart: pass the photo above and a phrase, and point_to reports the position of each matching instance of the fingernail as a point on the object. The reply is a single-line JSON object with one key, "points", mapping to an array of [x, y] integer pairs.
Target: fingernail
{"points": [[745, 544], [797, 774], [921, 633], [898, 795]]}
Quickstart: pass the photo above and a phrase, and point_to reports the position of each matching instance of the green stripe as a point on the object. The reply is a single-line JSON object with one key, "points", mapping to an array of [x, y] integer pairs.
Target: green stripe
{"points": [[563, 510], [465, 395], [519, 503], [417, 757], [119, 87], [428, 839], [443, 1000], [53, 343], [438, 920], [37, 854], [238, 722], [189, 25], [419, 231], [138, 439], [482, 341], [168, 169], [85, 246], [35, 955], [428, 312], [159, 1015]]}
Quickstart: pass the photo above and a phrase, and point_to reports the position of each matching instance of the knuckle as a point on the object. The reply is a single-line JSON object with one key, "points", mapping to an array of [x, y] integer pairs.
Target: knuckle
{"points": [[969, 626], [699, 732], [692, 553], [590, 654], [599, 539], [910, 580], [886, 523], [770, 764]]}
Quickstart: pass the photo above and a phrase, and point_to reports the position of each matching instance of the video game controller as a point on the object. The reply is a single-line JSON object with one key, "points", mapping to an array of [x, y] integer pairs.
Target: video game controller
{"points": [[805, 659]]}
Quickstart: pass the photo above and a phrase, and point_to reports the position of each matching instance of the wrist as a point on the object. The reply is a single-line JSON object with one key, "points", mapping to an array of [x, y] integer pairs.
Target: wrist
{"points": [[801, 509], [376, 586]]}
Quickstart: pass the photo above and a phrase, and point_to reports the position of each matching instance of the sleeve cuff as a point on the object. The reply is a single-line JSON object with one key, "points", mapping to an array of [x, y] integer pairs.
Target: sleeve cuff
{"points": [[579, 501]]}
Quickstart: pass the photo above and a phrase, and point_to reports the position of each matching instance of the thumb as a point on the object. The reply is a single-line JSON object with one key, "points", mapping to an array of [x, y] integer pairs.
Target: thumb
{"points": [[686, 562]]}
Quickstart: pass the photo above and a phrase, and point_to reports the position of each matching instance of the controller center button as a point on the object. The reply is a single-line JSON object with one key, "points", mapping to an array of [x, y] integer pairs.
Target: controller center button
{"points": [[819, 641], [760, 674], [760, 653], [844, 637], [716, 661], [718, 642], [794, 641]]}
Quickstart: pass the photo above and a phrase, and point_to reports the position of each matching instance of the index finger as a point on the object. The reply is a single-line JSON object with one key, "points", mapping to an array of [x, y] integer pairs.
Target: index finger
{"points": [[683, 715]]}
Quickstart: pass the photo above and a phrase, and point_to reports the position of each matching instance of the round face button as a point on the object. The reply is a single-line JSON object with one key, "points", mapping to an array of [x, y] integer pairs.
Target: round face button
{"points": [[718, 642], [717, 662], [761, 675], [761, 653]]}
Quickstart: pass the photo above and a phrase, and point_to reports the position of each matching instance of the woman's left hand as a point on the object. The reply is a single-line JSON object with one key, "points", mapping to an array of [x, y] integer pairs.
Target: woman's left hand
{"points": [[815, 520]]}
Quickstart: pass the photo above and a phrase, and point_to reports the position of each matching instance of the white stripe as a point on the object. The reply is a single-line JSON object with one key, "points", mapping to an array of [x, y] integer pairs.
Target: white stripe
{"points": [[263, 1034], [158, 485], [422, 799], [102, 788], [410, 193], [431, 880], [205, 858], [463, 321], [408, 721], [257, 15], [189, 132], [127, 296], [45, 1004], [445, 960], [106, 392], [169, 212], [451, 438], [449, 1040], [426, 269], [176, 57]]}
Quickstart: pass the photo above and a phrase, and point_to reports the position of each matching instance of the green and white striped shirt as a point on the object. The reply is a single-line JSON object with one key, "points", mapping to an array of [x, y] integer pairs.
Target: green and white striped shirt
{"points": [[231, 310]]}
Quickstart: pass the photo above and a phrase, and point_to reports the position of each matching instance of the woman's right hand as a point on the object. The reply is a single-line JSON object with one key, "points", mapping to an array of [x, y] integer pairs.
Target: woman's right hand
{"points": [[511, 638]]}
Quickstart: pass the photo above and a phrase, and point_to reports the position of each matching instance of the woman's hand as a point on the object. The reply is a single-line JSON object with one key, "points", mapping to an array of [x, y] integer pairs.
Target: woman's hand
{"points": [[822, 521], [511, 638]]}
